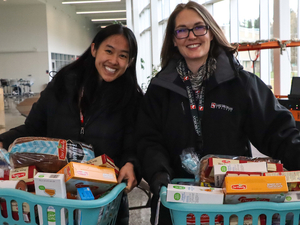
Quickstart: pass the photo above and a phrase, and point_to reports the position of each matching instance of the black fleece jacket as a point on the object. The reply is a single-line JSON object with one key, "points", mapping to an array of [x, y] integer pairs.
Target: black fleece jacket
{"points": [[238, 108], [108, 132]]}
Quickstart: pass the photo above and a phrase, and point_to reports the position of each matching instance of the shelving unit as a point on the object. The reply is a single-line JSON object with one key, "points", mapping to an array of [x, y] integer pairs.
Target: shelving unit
{"points": [[258, 45]]}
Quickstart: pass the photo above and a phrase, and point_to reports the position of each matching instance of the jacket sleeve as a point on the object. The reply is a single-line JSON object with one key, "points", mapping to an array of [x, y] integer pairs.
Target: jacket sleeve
{"points": [[270, 126], [35, 124], [153, 155], [129, 142]]}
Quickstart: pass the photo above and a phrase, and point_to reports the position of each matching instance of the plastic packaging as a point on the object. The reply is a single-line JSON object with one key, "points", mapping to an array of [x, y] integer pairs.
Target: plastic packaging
{"points": [[48, 154], [190, 162]]}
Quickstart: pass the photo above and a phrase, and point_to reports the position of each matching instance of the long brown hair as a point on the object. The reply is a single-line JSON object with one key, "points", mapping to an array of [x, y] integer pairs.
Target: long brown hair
{"points": [[169, 51]]}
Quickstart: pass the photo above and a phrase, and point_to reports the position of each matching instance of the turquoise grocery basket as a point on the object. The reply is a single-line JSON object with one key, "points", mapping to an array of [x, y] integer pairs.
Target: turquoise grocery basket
{"points": [[101, 211], [273, 213]]}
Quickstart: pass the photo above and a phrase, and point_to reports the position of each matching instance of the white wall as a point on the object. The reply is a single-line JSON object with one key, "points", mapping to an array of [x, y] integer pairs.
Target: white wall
{"points": [[23, 43], [68, 33], [29, 33]]}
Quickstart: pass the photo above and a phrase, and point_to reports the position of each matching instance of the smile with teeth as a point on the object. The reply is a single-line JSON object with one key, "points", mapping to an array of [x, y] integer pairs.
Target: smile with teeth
{"points": [[110, 69], [193, 46]]}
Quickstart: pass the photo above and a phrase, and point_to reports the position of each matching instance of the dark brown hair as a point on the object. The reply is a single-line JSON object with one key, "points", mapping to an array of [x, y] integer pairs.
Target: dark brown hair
{"points": [[169, 51]]}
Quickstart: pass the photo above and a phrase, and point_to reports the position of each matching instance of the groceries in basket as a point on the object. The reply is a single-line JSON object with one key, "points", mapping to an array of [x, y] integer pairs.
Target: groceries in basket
{"points": [[98, 179], [194, 194], [23, 173], [48, 154], [238, 181], [104, 161], [239, 189], [208, 162], [81, 181], [220, 170], [51, 185]]}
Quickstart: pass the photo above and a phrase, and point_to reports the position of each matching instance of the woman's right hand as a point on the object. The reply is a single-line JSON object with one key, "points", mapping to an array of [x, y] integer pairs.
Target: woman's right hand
{"points": [[1, 145]]}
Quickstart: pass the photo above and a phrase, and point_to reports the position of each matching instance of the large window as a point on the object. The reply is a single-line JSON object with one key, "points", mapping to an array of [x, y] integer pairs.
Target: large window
{"points": [[271, 51], [294, 35], [249, 23], [221, 15]]}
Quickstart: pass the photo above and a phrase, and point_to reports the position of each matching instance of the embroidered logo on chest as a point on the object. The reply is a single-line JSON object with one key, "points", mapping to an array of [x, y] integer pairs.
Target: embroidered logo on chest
{"points": [[214, 105]]}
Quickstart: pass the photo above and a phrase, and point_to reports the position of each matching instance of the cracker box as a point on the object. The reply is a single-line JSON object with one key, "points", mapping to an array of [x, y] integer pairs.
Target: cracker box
{"points": [[104, 160], [209, 171], [254, 188], [24, 173], [51, 185], [194, 194], [98, 179], [220, 170], [292, 178], [292, 196]]}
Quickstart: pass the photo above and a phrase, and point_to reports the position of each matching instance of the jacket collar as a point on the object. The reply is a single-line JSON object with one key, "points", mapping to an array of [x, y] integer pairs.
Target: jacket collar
{"points": [[227, 68]]}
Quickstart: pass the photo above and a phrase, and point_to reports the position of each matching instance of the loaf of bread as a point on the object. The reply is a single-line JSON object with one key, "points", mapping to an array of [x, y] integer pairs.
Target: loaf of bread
{"points": [[48, 154]]}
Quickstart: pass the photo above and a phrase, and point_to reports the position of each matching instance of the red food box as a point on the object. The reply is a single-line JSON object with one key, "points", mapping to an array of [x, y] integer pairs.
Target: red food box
{"points": [[271, 167], [24, 173], [105, 161]]}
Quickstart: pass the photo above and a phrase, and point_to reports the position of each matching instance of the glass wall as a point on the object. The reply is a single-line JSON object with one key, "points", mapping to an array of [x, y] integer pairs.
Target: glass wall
{"points": [[221, 12], [249, 23], [271, 51], [294, 35]]}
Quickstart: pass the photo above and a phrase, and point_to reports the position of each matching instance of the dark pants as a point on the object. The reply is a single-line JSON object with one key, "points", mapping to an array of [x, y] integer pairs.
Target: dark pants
{"points": [[164, 213], [123, 214]]}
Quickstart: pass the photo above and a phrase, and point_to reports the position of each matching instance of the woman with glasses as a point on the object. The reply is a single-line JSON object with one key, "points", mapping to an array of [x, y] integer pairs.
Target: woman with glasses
{"points": [[203, 99]]}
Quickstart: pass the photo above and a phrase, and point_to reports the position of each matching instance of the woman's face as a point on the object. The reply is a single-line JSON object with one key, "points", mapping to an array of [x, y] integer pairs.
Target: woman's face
{"points": [[112, 57], [194, 49]]}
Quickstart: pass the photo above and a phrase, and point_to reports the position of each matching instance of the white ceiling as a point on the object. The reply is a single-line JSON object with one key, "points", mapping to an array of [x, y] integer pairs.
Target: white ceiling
{"points": [[104, 6]]}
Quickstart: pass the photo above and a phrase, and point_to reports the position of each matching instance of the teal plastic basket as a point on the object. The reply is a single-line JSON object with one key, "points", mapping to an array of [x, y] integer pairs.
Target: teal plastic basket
{"points": [[101, 211], [273, 213]]}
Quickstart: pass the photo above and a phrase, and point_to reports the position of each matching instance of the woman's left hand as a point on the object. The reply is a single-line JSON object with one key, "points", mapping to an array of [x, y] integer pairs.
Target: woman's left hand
{"points": [[127, 173]]}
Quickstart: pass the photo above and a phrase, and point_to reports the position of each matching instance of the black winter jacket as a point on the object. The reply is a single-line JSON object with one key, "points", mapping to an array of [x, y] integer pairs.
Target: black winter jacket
{"points": [[108, 132], [238, 108]]}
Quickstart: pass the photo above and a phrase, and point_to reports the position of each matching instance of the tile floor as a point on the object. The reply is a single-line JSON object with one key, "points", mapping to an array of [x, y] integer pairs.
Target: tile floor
{"points": [[11, 117]]}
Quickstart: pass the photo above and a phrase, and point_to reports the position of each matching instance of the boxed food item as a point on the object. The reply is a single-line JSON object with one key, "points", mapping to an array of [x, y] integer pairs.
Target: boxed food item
{"points": [[292, 178], [98, 179], [254, 188], [209, 162], [83, 193], [51, 185], [24, 173], [292, 196], [242, 174], [104, 160], [220, 170], [194, 194]]}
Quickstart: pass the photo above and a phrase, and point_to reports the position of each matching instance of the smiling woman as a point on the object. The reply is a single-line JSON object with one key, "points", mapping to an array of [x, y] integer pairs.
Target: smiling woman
{"points": [[112, 57], [93, 100]]}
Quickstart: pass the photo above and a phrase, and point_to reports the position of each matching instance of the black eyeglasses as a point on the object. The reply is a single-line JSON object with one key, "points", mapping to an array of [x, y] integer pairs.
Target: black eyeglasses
{"points": [[185, 32]]}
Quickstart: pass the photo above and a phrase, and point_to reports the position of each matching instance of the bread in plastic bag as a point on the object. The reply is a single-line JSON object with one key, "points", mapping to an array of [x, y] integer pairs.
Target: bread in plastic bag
{"points": [[48, 154]]}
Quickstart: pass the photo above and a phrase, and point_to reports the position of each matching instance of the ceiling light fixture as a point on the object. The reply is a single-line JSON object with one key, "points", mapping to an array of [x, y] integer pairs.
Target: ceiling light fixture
{"points": [[94, 12], [84, 2], [101, 20]]}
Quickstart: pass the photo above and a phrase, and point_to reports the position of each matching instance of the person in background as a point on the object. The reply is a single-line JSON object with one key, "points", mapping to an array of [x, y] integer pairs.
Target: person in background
{"points": [[93, 100], [204, 100]]}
